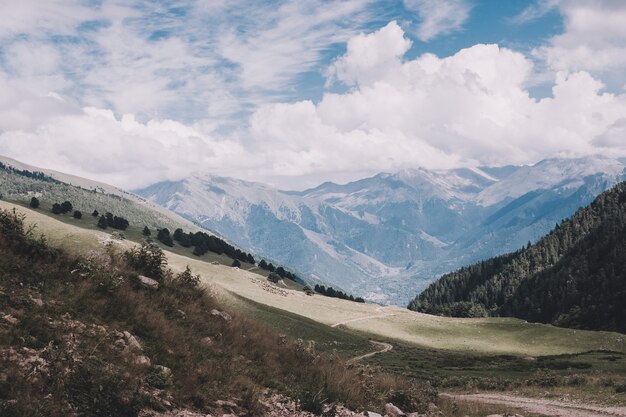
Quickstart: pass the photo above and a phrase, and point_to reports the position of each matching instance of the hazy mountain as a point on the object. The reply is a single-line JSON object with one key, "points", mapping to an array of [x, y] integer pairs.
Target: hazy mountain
{"points": [[388, 236], [574, 276]]}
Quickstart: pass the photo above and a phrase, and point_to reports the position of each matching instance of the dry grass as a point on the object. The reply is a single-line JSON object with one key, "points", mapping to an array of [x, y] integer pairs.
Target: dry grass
{"points": [[82, 369]]}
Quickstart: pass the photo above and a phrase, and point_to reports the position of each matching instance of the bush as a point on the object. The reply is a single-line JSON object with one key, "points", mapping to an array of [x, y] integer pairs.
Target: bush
{"points": [[274, 277], [187, 279], [66, 207], [313, 402], [236, 264], [78, 215], [34, 202], [148, 259], [102, 222]]}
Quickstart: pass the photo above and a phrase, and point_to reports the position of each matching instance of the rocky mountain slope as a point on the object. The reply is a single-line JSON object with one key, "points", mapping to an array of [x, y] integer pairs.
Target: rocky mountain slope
{"points": [[388, 236], [575, 276]]}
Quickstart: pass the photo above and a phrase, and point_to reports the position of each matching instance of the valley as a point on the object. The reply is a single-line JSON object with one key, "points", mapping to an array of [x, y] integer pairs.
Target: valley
{"points": [[388, 236]]}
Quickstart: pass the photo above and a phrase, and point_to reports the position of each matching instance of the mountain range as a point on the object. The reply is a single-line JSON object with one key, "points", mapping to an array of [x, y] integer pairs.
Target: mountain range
{"points": [[575, 276], [388, 236]]}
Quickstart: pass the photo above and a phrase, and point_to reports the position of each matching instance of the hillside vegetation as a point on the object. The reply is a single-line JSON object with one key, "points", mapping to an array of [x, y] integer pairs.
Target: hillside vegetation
{"points": [[139, 218], [85, 335], [573, 277], [22, 185]]}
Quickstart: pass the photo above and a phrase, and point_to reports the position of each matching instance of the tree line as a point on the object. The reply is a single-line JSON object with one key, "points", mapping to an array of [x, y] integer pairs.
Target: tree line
{"points": [[201, 242], [331, 292], [28, 174], [575, 276]]}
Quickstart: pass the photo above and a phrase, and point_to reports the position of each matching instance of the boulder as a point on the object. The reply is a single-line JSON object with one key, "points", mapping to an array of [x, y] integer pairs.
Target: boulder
{"points": [[221, 314], [10, 319], [148, 283], [142, 360], [132, 341], [393, 411], [206, 341], [372, 414]]}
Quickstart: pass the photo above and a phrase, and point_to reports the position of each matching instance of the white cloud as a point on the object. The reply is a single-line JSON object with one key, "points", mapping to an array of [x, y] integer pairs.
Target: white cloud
{"points": [[469, 108], [594, 39], [198, 60], [438, 16], [535, 11], [370, 57], [96, 144]]}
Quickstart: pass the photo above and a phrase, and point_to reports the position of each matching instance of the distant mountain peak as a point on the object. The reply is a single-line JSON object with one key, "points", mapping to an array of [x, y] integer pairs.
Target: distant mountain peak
{"points": [[361, 235]]}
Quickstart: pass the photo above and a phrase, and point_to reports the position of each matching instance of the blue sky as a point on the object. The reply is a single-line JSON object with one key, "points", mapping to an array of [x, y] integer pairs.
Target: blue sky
{"points": [[321, 86]]}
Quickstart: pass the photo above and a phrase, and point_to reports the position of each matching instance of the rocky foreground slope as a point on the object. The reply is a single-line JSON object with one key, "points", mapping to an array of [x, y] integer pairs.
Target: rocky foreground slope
{"points": [[118, 334]]}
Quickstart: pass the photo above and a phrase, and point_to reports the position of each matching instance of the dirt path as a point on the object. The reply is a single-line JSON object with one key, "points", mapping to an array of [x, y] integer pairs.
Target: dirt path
{"points": [[382, 348], [376, 316], [541, 406]]}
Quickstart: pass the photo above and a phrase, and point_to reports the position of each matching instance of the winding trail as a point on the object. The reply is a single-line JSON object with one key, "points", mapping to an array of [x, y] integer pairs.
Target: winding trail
{"points": [[383, 347], [376, 316], [541, 406]]}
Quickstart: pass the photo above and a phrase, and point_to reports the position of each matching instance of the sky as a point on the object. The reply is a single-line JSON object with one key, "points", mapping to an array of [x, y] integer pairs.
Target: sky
{"points": [[297, 92]]}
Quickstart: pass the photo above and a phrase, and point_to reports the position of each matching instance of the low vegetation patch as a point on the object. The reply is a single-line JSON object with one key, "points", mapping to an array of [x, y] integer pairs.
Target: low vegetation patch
{"points": [[92, 336]]}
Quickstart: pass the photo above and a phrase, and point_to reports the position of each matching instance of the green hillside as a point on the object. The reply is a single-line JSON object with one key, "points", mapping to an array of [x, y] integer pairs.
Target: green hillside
{"points": [[573, 277]]}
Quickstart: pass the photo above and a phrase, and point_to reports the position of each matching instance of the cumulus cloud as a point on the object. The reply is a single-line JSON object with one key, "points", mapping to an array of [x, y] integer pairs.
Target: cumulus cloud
{"points": [[370, 57], [123, 151], [438, 16], [594, 39], [470, 108]]}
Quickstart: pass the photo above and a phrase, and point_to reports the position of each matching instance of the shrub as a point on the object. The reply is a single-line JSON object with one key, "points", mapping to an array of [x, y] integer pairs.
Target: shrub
{"points": [[102, 222], [274, 277], [77, 214], [236, 264], [312, 402], [66, 207], [148, 259], [34, 202], [187, 279]]}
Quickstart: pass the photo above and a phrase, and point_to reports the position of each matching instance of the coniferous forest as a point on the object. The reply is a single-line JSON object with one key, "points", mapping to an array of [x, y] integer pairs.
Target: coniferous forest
{"points": [[573, 277]]}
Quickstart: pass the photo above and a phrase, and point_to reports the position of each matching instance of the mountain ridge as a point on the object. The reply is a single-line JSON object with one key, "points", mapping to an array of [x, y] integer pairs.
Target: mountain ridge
{"points": [[391, 233], [573, 276]]}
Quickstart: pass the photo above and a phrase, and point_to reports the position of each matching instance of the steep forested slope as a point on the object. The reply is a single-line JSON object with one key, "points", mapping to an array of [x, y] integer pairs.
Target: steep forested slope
{"points": [[575, 276]]}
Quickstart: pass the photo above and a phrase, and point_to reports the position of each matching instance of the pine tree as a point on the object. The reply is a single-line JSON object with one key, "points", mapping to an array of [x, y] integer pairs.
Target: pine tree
{"points": [[102, 222], [56, 208], [66, 207]]}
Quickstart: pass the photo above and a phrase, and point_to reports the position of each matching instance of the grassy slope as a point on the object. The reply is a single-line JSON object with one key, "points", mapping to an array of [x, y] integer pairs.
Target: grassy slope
{"points": [[473, 336]]}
